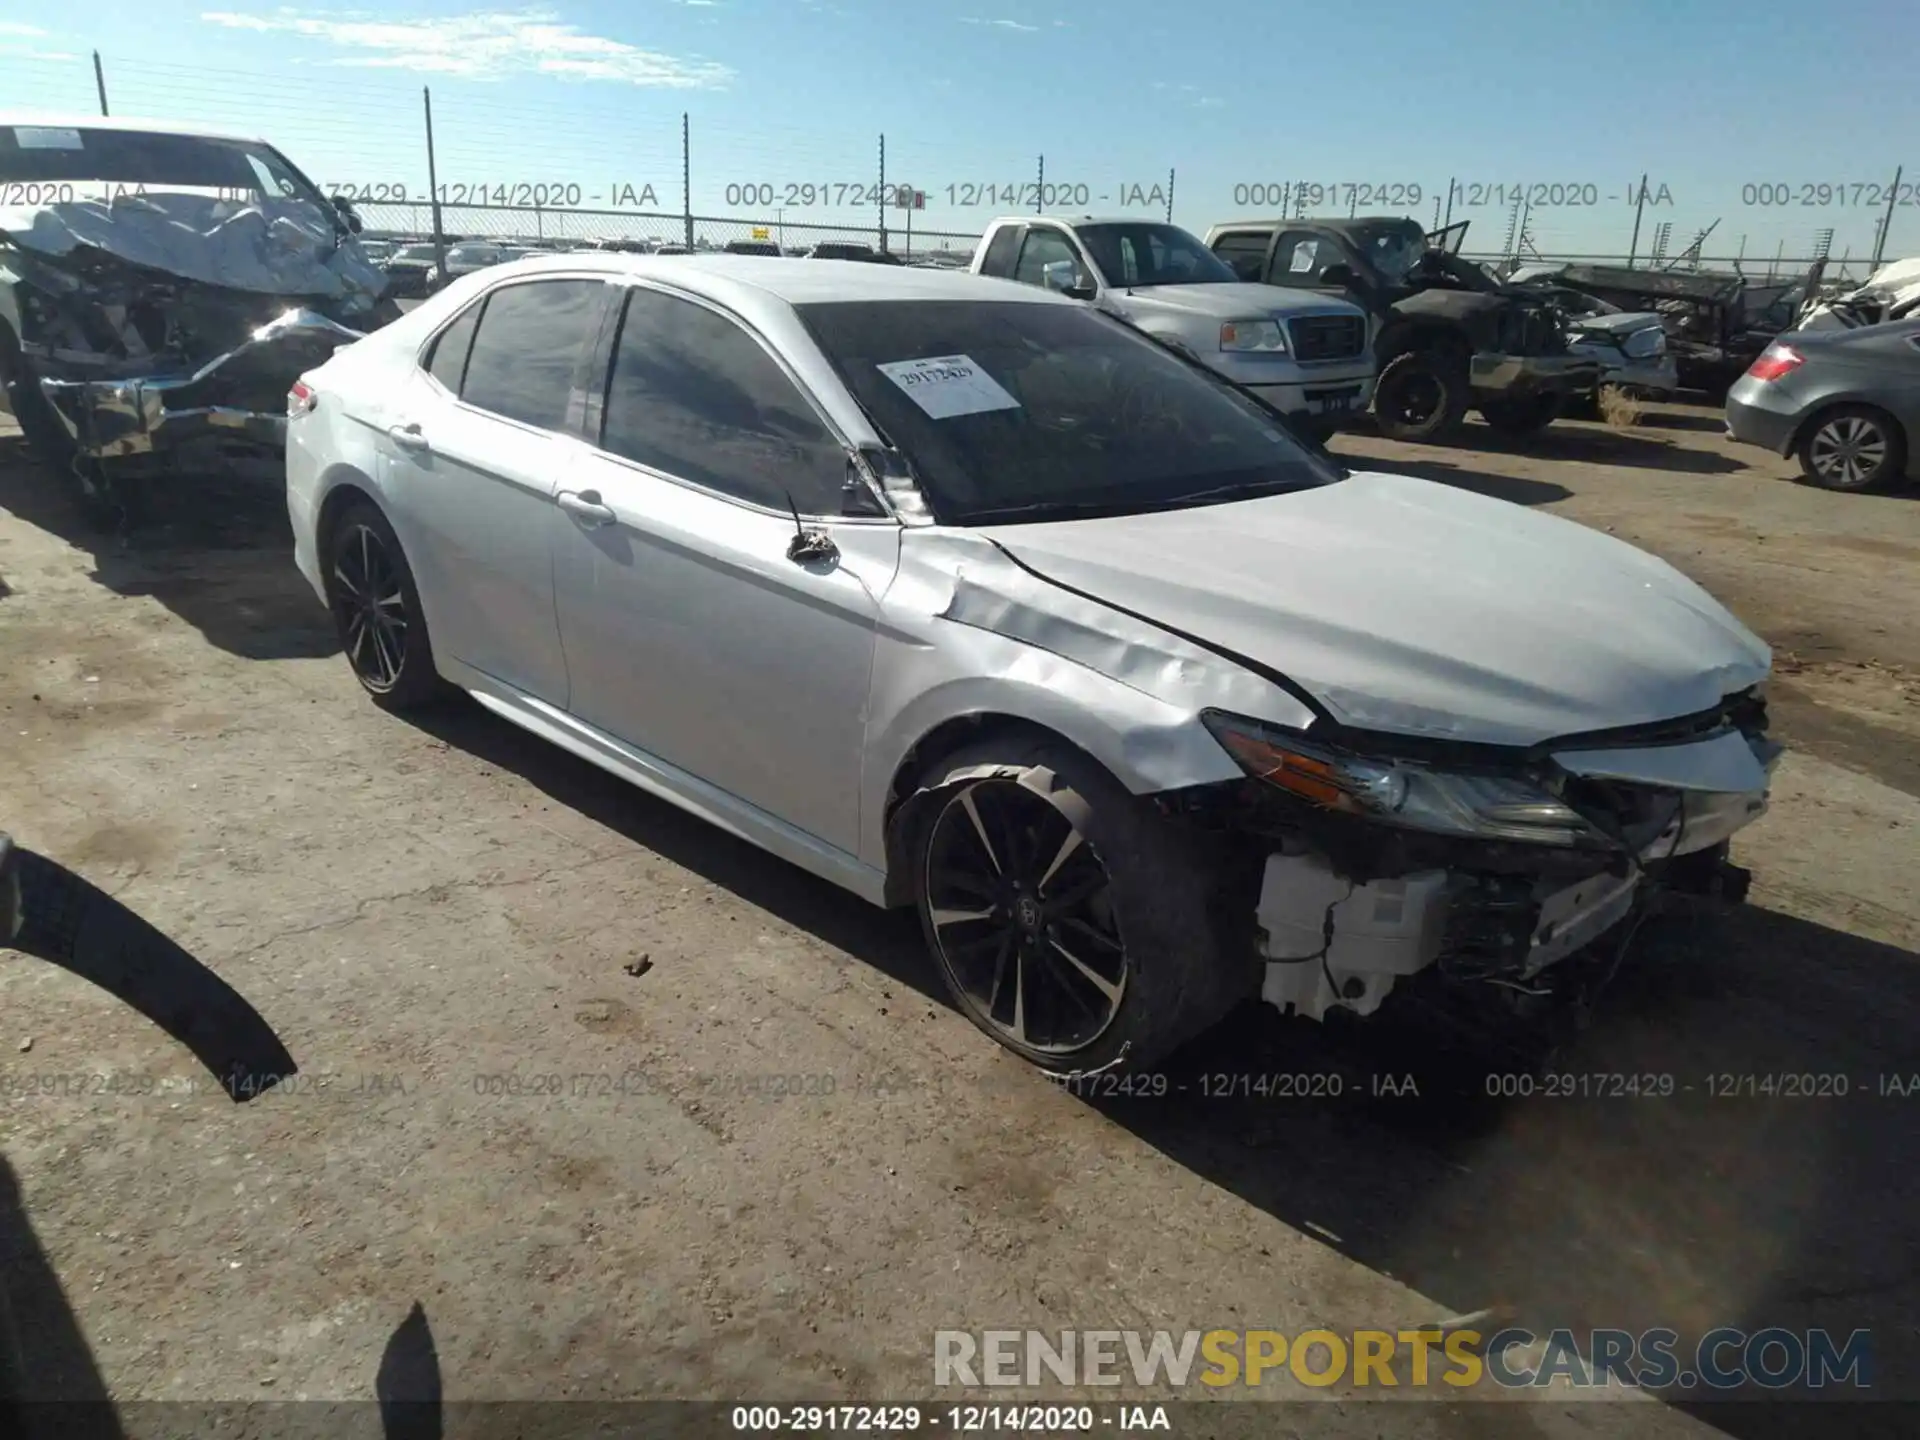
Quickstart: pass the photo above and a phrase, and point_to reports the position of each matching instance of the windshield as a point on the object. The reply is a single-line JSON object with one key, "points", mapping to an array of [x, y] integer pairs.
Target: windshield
{"points": [[1022, 411], [1152, 255], [102, 164], [416, 252]]}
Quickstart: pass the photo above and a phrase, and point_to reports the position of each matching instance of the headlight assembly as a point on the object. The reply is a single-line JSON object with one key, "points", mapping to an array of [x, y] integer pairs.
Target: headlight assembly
{"points": [[1262, 337], [1396, 792]]}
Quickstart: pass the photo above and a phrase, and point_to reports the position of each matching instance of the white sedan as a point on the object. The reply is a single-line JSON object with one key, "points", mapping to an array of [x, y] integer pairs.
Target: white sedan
{"points": [[970, 598]]}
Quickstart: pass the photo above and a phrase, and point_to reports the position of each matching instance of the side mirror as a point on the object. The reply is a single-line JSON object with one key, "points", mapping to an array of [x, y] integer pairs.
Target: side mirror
{"points": [[1338, 277], [1066, 278]]}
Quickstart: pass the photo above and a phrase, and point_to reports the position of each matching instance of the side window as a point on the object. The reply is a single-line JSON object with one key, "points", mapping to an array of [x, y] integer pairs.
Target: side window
{"points": [[530, 340], [694, 395], [1044, 247], [1300, 257], [447, 361], [1006, 244], [1244, 252]]}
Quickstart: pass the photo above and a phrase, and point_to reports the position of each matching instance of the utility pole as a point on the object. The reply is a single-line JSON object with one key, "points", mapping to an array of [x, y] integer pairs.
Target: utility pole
{"points": [[1169, 194], [99, 80], [883, 192], [1639, 204], [1452, 185], [1879, 240], [433, 187], [1040, 189]]}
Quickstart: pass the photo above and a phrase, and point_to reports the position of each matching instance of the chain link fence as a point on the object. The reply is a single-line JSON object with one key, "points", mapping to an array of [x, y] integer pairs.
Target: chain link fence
{"points": [[562, 228]]}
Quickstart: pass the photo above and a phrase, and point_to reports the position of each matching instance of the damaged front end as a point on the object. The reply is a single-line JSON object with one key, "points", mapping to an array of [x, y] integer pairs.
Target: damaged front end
{"points": [[126, 359], [1479, 871], [136, 325]]}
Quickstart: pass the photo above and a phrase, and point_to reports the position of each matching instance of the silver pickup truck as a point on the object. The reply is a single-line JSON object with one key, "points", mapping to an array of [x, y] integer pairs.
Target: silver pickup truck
{"points": [[1307, 356]]}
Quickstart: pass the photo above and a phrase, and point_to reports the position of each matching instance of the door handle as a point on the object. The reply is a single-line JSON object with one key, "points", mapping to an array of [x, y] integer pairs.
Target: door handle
{"points": [[408, 436], [585, 506]]}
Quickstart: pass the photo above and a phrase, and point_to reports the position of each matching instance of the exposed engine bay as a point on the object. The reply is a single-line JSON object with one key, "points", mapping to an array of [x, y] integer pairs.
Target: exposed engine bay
{"points": [[1358, 895], [158, 288]]}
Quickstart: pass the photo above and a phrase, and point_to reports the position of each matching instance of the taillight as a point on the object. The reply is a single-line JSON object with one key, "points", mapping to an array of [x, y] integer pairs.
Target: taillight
{"points": [[1776, 360], [302, 398]]}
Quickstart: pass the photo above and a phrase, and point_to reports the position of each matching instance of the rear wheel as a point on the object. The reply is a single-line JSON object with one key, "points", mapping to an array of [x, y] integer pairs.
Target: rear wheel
{"points": [[376, 610], [1069, 919], [1526, 416], [1421, 395], [1853, 448]]}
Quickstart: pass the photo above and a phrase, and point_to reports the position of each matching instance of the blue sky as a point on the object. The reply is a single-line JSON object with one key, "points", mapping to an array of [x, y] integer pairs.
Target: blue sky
{"points": [[1711, 97]]}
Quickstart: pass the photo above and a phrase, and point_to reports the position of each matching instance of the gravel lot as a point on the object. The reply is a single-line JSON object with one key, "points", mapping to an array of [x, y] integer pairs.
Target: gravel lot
{"points": [[427, 916]]}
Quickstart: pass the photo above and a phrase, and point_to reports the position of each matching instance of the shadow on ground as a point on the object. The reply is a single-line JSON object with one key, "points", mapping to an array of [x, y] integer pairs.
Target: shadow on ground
{"points": [[74, 924], [1691, 1204], [216, 549], [1592, 444], [1512, 488]]}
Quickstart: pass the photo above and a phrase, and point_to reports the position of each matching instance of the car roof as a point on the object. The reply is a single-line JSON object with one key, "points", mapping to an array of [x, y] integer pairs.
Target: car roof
{"points": [[727, 279], [1313, 222], [53, 121], [1081, 219]]}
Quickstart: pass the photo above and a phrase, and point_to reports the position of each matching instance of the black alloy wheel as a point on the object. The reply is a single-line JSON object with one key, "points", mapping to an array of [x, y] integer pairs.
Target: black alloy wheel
{"points": [[376, 610], [1020, 910]]}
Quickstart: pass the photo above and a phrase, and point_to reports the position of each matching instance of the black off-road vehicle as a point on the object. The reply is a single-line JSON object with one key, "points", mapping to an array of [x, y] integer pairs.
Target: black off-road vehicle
{"points": [[1448, 336]]}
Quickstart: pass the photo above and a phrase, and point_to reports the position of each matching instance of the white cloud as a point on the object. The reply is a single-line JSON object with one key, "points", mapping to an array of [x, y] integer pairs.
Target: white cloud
{"points": [[21, 29], [33, 52], [1209, 102], [999, 24], [485, 44]]}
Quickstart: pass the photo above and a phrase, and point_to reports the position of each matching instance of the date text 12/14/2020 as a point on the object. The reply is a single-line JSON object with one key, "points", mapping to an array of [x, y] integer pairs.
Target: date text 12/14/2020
{"points": [[1301, 196], [964, 195]]}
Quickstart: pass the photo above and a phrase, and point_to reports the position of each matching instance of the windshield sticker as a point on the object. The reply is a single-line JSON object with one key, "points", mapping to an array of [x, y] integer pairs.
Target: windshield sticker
{"points": [[948, 385], [1303, 254], [42, 137]]}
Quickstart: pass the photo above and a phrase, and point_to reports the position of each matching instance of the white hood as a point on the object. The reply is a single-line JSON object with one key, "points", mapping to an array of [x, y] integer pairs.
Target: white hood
{"points": [[1407, 606]]}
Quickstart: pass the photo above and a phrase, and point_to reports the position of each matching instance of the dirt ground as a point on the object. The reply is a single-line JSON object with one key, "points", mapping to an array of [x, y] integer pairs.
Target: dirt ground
{"points": [[529, 1148]]}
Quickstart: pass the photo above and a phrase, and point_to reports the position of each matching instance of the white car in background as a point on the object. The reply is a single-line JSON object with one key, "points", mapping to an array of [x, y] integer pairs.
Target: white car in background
{"points": [[968, 597]]}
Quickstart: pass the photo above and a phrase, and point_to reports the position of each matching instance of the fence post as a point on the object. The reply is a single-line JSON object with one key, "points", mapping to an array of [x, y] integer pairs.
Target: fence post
{"points": [[686, 176], [1886, 221], [1639, 204], [1170, 194], [433, 186], [883, 192], [99, 80]]}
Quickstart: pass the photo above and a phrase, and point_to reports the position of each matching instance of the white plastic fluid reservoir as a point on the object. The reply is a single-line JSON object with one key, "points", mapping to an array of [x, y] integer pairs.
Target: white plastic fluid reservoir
{"points": [[1384, 925]]}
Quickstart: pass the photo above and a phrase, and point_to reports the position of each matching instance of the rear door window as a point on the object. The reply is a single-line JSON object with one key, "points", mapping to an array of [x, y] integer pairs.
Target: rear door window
{"points": [[447, 360], [530, 342], [1001, 253], [1045, 246]]}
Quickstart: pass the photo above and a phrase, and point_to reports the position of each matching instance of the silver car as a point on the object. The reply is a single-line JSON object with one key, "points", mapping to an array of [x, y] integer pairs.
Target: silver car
{"points": [[971, 598], [1845, 402]]}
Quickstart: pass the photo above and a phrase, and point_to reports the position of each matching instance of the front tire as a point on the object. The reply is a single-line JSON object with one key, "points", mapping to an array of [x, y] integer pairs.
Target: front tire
{"points": [[1853, 448], [1071, 921], [1528, 416], [376, 610], [1421, 395]]}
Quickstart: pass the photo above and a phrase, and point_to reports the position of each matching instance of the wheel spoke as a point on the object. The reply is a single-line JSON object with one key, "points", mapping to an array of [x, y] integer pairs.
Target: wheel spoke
{"points": [[1081, 927], [1067, 847], [1019, 995], [356, 636], [980, 829], [1099, 982], [347, 583], [944, 918], [1078, 893], [389, 654], [395, 601], [1000, 959]]}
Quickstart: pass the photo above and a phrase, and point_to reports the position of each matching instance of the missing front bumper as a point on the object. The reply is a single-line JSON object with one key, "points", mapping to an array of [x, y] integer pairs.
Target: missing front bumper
{"points": [[238, 395]]}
